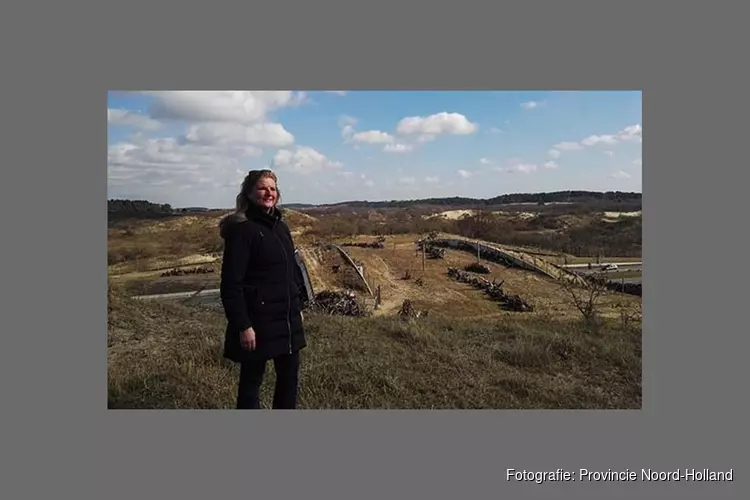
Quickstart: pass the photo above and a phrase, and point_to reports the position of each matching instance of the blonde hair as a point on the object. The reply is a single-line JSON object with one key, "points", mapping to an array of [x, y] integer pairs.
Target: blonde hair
{"points": [[245, 198]]}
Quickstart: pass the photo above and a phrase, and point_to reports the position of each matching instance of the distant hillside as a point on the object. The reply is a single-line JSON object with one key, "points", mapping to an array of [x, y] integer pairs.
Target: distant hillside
{"points": [[605, 200], [297, 206], [138, 207], [580, 197]]}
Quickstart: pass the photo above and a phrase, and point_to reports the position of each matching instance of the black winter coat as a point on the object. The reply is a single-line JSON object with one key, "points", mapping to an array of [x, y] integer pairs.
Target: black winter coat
{"points": [[260, 286]]}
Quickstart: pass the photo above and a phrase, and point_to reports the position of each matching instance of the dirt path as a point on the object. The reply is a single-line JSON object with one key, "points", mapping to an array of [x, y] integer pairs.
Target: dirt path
{"points": [[441, 294], [310, 255], [159, 265], [394, 290]]}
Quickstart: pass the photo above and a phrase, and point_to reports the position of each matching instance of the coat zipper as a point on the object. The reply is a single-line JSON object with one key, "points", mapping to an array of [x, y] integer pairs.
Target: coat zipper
{"points": [[288, 297]]}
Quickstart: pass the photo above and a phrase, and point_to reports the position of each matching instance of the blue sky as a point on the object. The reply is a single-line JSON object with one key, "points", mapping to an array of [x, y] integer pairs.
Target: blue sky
{"points": [[193, 148]]}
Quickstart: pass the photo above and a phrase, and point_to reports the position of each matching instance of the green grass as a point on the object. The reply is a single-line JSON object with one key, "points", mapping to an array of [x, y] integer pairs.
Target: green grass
{"points": [[168, 355]]}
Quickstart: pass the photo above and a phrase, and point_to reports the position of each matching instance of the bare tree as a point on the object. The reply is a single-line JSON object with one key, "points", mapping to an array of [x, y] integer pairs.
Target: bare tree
{"points": [[587, 298], [632, 315]]}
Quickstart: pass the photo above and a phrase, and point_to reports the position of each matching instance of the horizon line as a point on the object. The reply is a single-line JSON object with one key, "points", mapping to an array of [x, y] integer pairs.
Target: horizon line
{"points": [[412, 200]]}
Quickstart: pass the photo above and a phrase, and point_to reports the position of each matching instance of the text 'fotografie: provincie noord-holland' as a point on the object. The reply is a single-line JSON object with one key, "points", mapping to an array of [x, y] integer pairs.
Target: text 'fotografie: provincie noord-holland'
{"points": [[561, 475]]}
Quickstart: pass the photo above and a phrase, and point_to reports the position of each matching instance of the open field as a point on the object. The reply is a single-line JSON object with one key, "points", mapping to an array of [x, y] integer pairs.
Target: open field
{"points": [[168, 355], [386, 268], [469, 352]]}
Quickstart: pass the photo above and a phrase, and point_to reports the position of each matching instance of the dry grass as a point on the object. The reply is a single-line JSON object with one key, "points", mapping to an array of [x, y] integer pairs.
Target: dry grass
{"points": [[167, 355], [469, 353], [386, 268], [146, 285]]}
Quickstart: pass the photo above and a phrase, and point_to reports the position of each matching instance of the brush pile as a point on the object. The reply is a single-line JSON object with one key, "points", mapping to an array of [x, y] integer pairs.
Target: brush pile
{"points": [[434, 252], [476, 267], [184, 272], [492, 289], [408, 311], [378, 243], [337, 303]]}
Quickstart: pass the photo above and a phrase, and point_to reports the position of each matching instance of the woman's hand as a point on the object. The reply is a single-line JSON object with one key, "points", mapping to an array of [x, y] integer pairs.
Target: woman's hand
{"points": [[247, 339]]}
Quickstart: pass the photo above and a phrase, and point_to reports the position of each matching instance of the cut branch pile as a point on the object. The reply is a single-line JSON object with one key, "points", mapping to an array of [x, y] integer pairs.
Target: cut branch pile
{"points": [[338, 303], [408, 311], [434, 252], [184, 272], [378, 243], [492, 289], [476, 267], [431, 250]]}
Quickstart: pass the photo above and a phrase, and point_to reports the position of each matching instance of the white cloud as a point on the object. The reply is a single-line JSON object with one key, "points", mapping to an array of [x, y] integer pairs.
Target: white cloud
{"points": [[148, 165], [432, 180], [223, 130], [568, 146], [495, 130], [167, 153], [347, 175], [553, 153], [347, 120], [425, 138], [611, 154], [485, 161], [125, 118], [242, 106], [337, 92], [398, 148], [620, 175], [531, 104], [438, 124], [464, 174], [346, 124], [407, 180], [369, 183], [304, 160], [593, 140], [522, 168], [638, 161], [372, 137], [631, 133], [551, 165], [348, 132], [258, 134]]}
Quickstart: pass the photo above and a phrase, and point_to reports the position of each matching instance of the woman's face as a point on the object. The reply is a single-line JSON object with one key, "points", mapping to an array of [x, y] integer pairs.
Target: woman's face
{"points": [[265, 193]]}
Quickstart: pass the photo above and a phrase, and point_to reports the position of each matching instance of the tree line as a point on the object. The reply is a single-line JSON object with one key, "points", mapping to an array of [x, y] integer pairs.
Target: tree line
{"points": [[138, 207], [578, 197]]}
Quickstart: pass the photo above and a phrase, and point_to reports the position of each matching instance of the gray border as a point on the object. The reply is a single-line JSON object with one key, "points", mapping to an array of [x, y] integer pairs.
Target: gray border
{"points": [[64, 440]]}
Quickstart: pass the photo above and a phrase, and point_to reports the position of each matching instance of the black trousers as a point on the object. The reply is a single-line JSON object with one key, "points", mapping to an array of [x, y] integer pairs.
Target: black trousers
{"points": [[287, 382]]}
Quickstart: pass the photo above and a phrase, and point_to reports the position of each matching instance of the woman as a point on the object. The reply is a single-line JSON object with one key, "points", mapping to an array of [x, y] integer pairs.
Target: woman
{"points": [[260, 292]]}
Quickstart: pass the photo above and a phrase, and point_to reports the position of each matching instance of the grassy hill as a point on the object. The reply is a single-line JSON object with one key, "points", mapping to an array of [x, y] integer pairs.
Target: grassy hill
{"points": [[467, 353], [167, 355]]}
